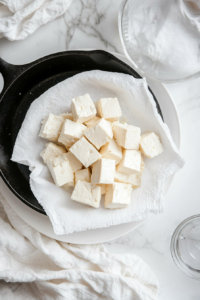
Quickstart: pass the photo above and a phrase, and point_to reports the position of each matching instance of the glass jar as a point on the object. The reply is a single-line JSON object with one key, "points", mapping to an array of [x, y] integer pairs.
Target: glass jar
{"points": [[185, 247], [161, 39]]}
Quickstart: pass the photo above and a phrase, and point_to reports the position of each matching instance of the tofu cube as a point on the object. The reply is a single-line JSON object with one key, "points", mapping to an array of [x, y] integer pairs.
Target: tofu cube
{"points": [[127, 136], [66, 116], [100, 133], [92, 121], [83, 175], [130, 163], [60, 170], [51, 127], [87, 193], [103, 188], [52, 150], [75, 164], [118, 195], [85, 152], [112, 151], [71, 132], [150, 144], [83, 108], [103, 171], [133, 179], [109, 109]]}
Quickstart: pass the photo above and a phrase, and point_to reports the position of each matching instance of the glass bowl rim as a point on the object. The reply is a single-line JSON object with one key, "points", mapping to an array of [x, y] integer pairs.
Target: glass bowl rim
{"points": [[184, 267], [143, 74]]}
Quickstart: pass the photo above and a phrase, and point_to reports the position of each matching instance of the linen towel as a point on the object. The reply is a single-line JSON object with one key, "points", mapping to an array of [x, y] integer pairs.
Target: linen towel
{"points": [[36, 267], [20, 18]]}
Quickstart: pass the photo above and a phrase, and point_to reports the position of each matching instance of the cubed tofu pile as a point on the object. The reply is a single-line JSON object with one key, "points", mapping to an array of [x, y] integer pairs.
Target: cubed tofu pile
{"points": [[93, 152]]}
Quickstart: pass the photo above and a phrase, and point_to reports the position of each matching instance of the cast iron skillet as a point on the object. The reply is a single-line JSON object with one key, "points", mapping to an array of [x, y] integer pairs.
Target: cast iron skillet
{"points": [[22, 85]]}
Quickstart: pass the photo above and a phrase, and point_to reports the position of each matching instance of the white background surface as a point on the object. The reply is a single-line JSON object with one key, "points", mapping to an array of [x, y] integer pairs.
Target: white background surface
{"points": [[93, 24]]}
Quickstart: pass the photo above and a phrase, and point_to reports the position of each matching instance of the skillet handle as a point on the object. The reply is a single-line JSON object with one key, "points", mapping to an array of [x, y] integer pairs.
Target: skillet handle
{"points": [[9, 73]]}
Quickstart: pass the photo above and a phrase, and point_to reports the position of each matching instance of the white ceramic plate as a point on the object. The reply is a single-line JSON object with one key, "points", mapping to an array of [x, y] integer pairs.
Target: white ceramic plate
{"points": [[43, 224]]}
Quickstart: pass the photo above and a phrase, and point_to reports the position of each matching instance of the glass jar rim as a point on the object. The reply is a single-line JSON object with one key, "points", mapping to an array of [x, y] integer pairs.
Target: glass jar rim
{"points": [[180, 263], [128, 56]]}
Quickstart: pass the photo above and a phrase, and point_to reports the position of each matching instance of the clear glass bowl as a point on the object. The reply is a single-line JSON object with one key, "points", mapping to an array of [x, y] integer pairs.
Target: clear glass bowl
{"points": [[135, 51], [185, 247]]}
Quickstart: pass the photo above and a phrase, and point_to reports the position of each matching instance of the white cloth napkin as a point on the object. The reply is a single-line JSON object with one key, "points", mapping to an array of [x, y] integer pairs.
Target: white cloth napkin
{"points": [[139, 109], [20, 18], [51, 270], [162, 36]]}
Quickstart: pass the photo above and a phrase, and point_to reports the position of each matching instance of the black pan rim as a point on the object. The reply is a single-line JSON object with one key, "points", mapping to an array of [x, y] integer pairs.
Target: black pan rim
{"points": [[19, 196], [28, 66]]}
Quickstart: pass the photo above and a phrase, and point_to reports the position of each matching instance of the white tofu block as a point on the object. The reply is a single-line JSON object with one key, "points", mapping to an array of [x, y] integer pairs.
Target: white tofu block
{"points": [[103, 171], [66, 116], [83, 175], [52, 150], [127, 136], [51, 127], [150, 144], [75, 164], [133, 179], [118, 195], [100, 133], [92, 121], [103, 188], [85, 152], [60, 170], [112, 151], [87, 193], [130, 163], [71, 132], [83, 108], [109, 108]]}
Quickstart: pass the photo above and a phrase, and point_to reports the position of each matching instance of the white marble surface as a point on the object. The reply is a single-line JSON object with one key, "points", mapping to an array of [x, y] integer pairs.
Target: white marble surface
{"points": [[93, 24]]}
